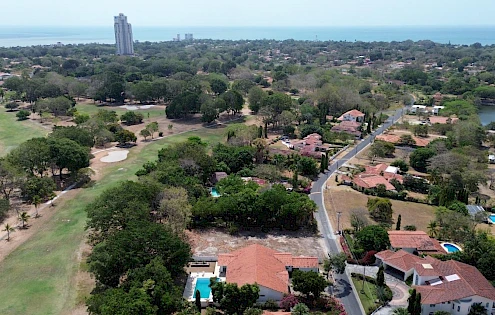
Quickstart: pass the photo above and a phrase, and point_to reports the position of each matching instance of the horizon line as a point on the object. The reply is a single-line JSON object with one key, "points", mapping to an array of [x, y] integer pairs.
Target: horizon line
{"points": [[263, 26]]}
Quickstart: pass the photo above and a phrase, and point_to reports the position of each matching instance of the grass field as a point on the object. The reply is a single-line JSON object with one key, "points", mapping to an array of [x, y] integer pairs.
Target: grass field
{"points": [[90, 109], [38, 277], [13, 132], [368, 296], [345, 199]]}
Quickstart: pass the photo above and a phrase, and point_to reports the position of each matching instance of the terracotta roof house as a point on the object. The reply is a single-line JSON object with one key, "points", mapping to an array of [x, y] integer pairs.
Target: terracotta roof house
{"points": [[381, 174], [217, 176], [264, 266], [350, 127], [352, 115], [449, 286], [414, 241], [311, 146], [453, 287]]}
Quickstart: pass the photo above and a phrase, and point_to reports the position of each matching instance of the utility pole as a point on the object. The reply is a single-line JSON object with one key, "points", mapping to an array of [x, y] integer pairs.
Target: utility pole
{"points": [[338, 222]]}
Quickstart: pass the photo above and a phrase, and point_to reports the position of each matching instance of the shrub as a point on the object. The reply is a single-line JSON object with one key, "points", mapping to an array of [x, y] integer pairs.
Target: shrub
{"points": [[410, 228], [22, 114], [288, 302], [271, 305]]}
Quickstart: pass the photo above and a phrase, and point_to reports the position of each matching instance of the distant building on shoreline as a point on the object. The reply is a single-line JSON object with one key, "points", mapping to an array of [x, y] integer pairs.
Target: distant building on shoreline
{"points": [[123, 35], [188, 36]]}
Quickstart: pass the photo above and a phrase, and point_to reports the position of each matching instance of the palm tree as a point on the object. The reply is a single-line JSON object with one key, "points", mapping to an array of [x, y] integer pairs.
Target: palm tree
{"points": [[477, 309], [432, 229], [24, 217], [8, 228], [400, 311], [36, 203]]}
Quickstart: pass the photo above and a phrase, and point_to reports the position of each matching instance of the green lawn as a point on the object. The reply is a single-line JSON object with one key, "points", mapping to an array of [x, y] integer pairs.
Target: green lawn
{"points": [[37, 278], [369, 296], [91, 109], [13, 132]]}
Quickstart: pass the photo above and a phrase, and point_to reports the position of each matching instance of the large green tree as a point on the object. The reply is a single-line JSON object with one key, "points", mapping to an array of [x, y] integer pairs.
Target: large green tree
{"points": [[373, 237], [309, 283]]}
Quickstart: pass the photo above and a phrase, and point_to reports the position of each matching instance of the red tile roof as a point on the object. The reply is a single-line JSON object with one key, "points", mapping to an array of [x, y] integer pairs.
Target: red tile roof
{"points": [[469, 282], [414, 239], [400, 260], [262, 265], [353, 113], [371, 181]]}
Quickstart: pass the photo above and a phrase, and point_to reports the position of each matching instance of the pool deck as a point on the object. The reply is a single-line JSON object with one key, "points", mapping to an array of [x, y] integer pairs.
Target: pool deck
{"points": [[191, 285]]}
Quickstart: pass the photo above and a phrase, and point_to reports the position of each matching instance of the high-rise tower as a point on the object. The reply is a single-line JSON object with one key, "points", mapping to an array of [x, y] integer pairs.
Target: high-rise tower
{"points": [[123, 35]]}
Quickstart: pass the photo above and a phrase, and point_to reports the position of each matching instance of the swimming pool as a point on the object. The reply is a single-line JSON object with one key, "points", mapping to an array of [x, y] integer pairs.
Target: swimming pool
{"points": [[450, 248], [203, 285], [492, 218], [215, 193]]}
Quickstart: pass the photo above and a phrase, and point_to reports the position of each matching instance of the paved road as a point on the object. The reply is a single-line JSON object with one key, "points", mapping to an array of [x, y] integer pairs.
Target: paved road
{"points": [[349, 299]]}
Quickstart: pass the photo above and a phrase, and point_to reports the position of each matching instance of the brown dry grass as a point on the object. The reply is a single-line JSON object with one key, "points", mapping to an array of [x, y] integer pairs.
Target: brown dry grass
{"points": [[345, 199]]}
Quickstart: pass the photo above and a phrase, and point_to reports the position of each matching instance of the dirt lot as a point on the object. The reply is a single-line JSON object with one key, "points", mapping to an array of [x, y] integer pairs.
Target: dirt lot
{"points": [[345, 199], [212, 242]]}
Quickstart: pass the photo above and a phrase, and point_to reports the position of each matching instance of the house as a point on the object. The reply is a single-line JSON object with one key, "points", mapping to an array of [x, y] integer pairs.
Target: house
{"points": [[352, 115], [311, 146], [436, 109], [417, 109], [349, 127], [491, 159], [449, 286], [264, 266], [217, 176], [438, 98], [414, 242], [452, 286], [381, 174]]}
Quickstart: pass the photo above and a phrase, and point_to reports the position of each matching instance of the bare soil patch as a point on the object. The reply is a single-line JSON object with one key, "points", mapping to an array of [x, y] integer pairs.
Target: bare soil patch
{"points": [[212, 242]]}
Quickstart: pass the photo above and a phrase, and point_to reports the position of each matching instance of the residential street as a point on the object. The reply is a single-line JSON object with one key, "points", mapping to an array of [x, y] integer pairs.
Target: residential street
{"points": [[348, 298]]}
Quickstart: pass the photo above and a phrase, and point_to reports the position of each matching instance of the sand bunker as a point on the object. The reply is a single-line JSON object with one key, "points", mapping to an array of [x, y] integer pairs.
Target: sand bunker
{"points": [[135, 107], [115, 156]]}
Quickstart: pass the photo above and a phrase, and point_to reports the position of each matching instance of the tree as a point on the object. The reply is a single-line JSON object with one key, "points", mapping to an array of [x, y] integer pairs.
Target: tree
{"points": [[397, 225], [381, 149], [380, 277], [145, 133], [406, 140], [124, 251], [36, 202], [32, 155], [11, 106], [336, 262], [125, 136], [373, 237], [68, 154], [308, 283], [57, 106], [11, 177], [152, 127], [432, 229], [419, 158], [131, 118], [24, 217], [9, 229], [233, 101], [22, 114], [300, 309], [359, 219], [218, 86], [411, 302], [421, 130], [43, 187], [380, 209], [209, 112], [307, 166], [197, 301], [401, 164], [234, 299], [477, 309], [80, 135], [175, 208]]}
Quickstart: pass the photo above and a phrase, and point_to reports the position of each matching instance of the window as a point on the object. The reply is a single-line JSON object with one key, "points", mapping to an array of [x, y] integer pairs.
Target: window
{"points": [[432, 305], [459, 308]]}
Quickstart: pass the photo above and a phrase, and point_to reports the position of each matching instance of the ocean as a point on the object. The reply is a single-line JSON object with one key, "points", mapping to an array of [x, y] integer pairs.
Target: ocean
{"points": [[26, 36]]}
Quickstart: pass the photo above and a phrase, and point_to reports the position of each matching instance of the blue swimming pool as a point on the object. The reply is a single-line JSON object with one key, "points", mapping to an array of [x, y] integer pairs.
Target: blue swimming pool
{"points": [[451, 248], [492, 218], [202, 284], [214, 192]]}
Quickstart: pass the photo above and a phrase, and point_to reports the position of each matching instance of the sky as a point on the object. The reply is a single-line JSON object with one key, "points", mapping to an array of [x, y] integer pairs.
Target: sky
{"points": [[249, 12]]}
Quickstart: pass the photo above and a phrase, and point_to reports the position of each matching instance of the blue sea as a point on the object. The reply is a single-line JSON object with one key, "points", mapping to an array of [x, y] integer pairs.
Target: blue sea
{"points": [[27, 36]]}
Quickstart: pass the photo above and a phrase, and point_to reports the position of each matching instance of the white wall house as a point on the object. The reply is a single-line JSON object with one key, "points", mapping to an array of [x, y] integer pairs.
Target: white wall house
{"points": [[352, 115], [264, 266]]}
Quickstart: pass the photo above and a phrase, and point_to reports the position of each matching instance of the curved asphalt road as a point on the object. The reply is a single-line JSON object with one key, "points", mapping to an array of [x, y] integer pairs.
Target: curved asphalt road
{"points": [[349, 299]]}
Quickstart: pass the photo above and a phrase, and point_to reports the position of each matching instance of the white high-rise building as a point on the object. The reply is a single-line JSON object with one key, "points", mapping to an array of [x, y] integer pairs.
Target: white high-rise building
{"points": [[188, 36], [123, 35]]}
